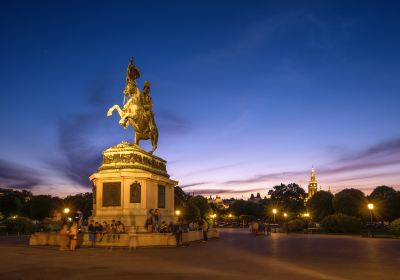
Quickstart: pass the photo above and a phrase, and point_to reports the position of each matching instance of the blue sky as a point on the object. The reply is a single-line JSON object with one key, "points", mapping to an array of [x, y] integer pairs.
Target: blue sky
{"points": [[247, 94]]}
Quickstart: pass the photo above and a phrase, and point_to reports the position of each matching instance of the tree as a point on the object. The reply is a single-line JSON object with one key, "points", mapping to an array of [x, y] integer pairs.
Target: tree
{"points": [[180, 198], [387, 203], [10, 204], [288, 197], [351, 202], [191, 212], [248, 208], [41, 207], [201, 203], [320, 205], [80, 202]]}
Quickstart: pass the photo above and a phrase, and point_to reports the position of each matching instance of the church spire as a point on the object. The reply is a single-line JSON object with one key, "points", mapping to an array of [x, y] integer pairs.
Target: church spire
{"points": [[313, 184]]}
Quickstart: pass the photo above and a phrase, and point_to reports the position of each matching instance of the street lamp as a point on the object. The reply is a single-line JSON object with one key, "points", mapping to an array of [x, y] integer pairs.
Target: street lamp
{"points": [[370, 207], [274, 211]]}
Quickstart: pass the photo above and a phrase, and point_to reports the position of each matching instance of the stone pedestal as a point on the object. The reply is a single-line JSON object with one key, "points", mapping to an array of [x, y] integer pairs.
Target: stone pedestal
{"points": [[128, 184]]}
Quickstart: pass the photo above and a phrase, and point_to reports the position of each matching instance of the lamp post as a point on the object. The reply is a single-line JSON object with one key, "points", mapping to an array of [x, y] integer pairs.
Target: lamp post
{"points": [[274, 211], [370, 207]]}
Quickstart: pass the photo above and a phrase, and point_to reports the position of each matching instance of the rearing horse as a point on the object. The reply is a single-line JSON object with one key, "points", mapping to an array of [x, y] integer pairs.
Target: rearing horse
{"points": [[134, 114]]}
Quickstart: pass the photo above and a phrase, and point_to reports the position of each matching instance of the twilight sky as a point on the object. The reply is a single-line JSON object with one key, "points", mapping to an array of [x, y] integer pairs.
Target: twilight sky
{"points": [[247, 94]]}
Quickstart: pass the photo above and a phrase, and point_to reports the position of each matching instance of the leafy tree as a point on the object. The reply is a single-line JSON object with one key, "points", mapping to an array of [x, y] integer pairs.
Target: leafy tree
{"points": [[288, 197], [320, 205], [10, 204], [41, 207], [19, 225], [191, 212], [80, 202], [351, 202], [248, 208], [180, 198], [201, 203], [387, 203]]}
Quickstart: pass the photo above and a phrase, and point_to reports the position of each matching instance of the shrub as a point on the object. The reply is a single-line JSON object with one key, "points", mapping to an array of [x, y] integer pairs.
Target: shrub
{"points": [[295, 225], [395, 227], [19, 225], [341, 223], [51, 226]]}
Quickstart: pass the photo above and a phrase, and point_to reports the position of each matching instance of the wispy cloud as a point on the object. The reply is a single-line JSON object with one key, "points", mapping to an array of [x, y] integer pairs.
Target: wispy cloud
{"points": [[343, 170], [17, 176], [212, 169]]}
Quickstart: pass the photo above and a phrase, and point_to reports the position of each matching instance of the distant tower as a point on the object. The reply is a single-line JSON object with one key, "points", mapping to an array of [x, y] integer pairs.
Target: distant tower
{"points": [[312, 185]]}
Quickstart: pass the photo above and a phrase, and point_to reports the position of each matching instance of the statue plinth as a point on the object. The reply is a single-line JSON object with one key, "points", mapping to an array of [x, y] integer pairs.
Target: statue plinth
{"points": [[129, 183]]}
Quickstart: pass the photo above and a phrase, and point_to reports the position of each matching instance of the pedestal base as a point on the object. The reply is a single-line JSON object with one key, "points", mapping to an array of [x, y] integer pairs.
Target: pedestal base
{"points": [[129, 183]]}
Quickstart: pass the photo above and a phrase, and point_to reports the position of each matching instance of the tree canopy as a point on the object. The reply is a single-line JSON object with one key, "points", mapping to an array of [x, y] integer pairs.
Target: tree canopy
{"points": [[288, 197], [320, 205], [351, 202], [387, 203]]}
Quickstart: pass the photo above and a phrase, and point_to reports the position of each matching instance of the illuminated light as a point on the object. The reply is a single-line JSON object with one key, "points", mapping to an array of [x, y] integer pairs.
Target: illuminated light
{"points": [[370, 206], [230, 215], [214, 215], [66, 210], [274, 211], [177, 212], [285, 215], [306, 215], [69, 219]]}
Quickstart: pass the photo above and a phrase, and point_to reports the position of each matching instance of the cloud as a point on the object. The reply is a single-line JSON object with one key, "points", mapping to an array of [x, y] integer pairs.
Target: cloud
{"points": [[194, 184], [169, 122], [383, 154], [211, 169], [18, 176], [266, 177], [224, 191], [81, 157], [78, 133]]}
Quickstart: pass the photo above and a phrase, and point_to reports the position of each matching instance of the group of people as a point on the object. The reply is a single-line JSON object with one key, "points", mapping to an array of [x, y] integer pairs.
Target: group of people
{"points": [[259, 227], [112, 231]]}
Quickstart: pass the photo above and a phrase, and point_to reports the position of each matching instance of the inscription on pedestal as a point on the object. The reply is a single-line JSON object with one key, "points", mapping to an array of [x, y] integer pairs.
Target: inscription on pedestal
{"points": [[135, 193], [111, 194]]}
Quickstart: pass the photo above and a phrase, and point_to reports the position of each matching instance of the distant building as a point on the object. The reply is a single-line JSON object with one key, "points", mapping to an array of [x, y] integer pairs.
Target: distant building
{"points": [[312, 185], [256, 198], [218, 202], [229, 201]]}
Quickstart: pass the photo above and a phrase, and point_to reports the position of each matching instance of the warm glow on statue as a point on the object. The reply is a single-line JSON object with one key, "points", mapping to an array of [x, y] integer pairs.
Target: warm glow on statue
{"points": [[137, 110]]}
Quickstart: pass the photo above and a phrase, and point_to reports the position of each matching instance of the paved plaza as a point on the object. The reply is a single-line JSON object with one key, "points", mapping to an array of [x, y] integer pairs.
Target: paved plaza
{"points": [[236, 255]]}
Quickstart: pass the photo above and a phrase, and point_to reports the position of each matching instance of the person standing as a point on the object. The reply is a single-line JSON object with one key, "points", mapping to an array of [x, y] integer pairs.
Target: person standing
{"points": [[178, 232], [132, 238], [73, 235], [205, 230], [92, 234], [64, 239]]}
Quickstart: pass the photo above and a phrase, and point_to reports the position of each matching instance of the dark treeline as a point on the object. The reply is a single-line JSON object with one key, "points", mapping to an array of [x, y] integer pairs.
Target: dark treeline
{"points": [[37, 207], [348, 206]]}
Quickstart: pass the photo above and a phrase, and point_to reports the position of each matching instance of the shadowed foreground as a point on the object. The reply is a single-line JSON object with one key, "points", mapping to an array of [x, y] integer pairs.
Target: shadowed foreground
{"points": [[237, 255]]}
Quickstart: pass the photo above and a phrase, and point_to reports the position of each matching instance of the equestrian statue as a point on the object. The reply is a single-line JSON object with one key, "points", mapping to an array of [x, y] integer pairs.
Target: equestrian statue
{"points": [[137, 109]]}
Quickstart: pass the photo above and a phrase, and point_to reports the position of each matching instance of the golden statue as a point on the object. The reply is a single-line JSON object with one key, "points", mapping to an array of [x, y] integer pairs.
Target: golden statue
{"points": [[137, 110]]}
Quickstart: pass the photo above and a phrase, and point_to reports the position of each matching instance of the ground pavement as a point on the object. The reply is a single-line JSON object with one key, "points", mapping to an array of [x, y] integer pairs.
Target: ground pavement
{"points": [[236, 255]]}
